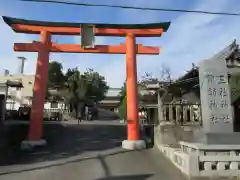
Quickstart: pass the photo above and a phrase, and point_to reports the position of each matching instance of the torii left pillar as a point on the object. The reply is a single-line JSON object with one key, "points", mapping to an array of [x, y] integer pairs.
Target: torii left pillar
{"points": [[41, 78]]}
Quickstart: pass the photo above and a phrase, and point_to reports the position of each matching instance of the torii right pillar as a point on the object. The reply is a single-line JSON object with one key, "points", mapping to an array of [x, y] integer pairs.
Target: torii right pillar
{"points": [[133, 142]]}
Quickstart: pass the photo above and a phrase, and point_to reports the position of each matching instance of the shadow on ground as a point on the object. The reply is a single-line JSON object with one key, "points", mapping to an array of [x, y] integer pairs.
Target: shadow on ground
{"points": [[128, 177], [63, 141], [110, 176]]}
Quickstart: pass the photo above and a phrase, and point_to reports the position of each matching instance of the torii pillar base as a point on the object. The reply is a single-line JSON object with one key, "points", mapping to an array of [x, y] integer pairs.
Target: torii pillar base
{"points": [[28, 145], [133, 144]]}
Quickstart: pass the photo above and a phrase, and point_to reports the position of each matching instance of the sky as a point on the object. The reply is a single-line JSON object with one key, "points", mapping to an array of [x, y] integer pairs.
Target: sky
{"points": [[190, 38]]}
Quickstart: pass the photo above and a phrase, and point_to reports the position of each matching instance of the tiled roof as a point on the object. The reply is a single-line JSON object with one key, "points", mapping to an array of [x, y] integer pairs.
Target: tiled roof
{"points": [[225, 53]]}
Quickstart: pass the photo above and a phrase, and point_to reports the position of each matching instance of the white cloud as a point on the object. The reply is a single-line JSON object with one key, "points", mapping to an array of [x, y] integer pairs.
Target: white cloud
{"points": [[8, 57], [191, 38]]}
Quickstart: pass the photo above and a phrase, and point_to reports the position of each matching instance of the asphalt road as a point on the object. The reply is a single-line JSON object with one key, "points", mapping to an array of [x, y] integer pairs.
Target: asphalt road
{"points": [[89, 151]]}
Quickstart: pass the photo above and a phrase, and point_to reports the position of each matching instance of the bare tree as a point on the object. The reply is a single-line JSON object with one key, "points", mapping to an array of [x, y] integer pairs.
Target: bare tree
{"points": [[165, 74]]}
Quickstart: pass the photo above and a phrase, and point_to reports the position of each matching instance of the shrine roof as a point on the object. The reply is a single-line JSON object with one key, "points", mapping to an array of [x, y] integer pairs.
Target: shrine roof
{"points": [[186, 83], [10, 21]]}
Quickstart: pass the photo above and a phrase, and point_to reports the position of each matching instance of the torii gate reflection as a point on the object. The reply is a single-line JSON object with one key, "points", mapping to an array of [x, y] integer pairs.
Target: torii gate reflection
{"points": [[45, 46]]}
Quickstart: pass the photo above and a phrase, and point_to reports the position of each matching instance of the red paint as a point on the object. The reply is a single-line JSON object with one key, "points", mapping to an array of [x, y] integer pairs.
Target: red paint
{"points": [[132, 91], [33, 29], [75, 48], [41, 79], [45, 46]]}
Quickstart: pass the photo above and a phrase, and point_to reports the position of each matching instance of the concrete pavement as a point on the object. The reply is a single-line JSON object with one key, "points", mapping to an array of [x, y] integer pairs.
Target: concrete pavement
{"points": [[90, 151]]}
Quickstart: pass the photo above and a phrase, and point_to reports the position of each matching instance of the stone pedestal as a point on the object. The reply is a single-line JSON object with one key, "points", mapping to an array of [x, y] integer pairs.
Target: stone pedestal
{"points": [[219, 138]]}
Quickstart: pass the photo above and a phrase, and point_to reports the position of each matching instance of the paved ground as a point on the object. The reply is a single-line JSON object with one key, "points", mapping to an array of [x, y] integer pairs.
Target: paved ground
{"points": [[90, 151]]}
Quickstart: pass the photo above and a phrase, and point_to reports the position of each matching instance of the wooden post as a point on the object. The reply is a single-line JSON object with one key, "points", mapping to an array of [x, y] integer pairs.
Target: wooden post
{"points": [[41, 78], [132, 89]]}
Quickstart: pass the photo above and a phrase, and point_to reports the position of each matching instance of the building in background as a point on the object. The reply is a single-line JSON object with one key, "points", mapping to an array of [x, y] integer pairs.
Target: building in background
{"points": [[112, 100], [25, 94], [10, 97]]}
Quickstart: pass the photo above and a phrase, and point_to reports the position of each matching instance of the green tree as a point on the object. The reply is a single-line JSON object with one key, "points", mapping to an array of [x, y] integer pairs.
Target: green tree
{"points": [[55, 80], [69, 73], [123, 92], [55, 75], [123, 108], [123, 102], [77, 88], [96, 85], [82, 88]]}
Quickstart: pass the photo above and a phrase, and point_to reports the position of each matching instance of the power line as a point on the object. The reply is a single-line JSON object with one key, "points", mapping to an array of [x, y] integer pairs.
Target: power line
{"points": [[137, 8]]}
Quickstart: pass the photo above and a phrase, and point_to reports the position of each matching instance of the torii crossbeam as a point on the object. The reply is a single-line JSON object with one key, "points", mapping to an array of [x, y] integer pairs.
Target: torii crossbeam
{"points": [[45, 46]]}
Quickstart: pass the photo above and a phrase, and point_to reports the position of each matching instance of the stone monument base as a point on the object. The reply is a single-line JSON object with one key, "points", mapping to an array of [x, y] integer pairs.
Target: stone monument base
{"points": [[219, 138]]}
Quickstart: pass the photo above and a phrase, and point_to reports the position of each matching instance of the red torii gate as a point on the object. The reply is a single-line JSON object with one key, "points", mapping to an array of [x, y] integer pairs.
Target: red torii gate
{"points": [[45, 46]]}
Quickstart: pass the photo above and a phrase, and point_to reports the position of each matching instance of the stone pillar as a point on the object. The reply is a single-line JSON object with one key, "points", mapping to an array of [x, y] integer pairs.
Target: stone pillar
{"points": [[164, 113], [191, 113], [160, 107], [185, 110], [170, 108], [178, 115]]}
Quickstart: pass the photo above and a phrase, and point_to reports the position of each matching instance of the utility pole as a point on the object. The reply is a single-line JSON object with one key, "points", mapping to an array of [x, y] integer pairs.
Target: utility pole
{"points": [[6, 72], [21, 67]]}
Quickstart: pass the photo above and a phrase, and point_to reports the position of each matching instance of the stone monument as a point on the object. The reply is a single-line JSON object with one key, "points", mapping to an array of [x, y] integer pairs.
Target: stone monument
{"points": [[217, 112], [215, 151]]}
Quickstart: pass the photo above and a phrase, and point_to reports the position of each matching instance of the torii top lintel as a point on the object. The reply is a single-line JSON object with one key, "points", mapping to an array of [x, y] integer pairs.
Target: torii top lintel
{"points": [[63, 28]]}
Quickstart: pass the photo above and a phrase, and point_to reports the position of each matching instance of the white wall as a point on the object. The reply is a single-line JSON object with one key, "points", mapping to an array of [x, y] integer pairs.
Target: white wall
{"points": [[60, 105], [14, 103], [3, 90]]}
